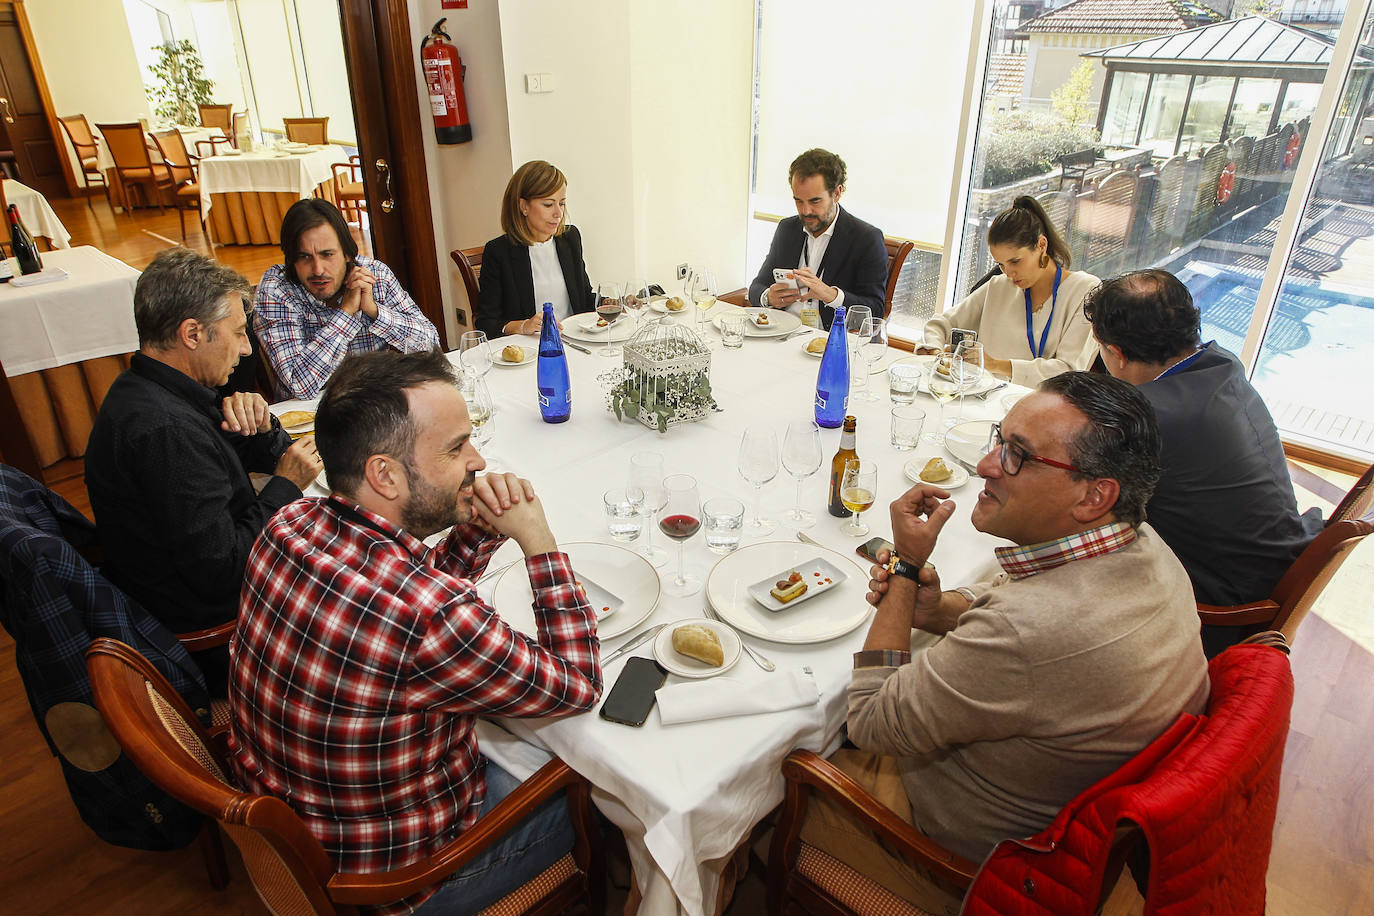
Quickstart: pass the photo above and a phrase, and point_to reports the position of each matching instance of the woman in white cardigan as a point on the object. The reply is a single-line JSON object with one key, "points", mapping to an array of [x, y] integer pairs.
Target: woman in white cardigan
{"points": [[1030, 317]]}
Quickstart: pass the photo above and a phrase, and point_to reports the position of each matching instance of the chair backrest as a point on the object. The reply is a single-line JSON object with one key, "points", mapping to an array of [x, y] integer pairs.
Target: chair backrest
{"points": [[1202, 796], [469, 261], [1358, 502], [307, 130], [217, 116], [127, 144], [1305, 580], [78, 130], [172, 145], [897, 250], [288, 867]]}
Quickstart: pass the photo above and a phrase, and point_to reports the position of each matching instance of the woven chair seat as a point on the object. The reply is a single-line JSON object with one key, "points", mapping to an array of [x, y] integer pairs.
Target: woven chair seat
{"points": [[851, 888], [527, 895]]}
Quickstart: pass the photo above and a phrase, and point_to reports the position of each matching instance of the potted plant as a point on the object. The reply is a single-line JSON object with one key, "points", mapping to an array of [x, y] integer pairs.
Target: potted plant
{"points": [[181, 83]]}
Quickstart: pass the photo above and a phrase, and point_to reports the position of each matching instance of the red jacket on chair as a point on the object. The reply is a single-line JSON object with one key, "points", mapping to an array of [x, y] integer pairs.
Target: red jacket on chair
{"points": [[1203, 795]]}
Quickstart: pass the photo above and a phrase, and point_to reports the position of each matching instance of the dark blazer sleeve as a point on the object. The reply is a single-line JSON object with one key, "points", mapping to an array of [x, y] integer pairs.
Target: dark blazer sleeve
{"points": [[786, 238], [505, 291], [860, 267], [580, 293]]}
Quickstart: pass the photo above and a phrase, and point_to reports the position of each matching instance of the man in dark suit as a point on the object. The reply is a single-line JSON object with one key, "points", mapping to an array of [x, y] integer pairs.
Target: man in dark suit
{"points": [[832, 257]]}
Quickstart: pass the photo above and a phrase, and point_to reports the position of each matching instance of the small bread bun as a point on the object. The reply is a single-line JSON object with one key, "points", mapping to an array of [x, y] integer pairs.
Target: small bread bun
{"points": [[512, 354], [935, 471], [816, 345], [292, 418], [675, 304], [700, 642]]}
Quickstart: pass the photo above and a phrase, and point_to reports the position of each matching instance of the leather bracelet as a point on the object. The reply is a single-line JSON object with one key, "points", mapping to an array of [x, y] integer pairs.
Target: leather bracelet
{"points": [[899, 567]]}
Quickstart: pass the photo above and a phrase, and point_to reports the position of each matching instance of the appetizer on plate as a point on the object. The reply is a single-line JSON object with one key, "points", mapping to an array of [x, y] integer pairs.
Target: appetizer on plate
{"points": [[789, 589], [762, 320]]}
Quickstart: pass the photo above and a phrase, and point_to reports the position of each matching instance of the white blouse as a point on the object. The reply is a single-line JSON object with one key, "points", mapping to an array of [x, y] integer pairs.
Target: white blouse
{"points": [[549, 285]]}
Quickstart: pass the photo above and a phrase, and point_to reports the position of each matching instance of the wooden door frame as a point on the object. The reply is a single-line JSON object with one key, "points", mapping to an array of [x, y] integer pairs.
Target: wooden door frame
{"points": [[386, 110], [59, 138]]}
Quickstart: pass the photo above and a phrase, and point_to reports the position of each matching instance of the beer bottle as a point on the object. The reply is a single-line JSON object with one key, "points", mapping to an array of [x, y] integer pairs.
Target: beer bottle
{"points": [[844, 455]]}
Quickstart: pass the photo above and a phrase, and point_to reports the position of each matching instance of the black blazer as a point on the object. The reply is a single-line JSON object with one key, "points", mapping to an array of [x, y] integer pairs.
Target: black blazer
{"points": [[855, 261], [506, 291]]}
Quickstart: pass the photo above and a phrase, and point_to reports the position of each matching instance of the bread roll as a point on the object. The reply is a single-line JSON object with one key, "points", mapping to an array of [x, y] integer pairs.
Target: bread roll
{"points": [[292, 418], [675, 304], [700, 642], [936, 470], [816, 345], [512, 354]]}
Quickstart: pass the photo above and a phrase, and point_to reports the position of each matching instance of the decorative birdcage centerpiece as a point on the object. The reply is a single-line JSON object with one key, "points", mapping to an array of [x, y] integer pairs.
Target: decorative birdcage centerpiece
{"points": [[665, 379]]}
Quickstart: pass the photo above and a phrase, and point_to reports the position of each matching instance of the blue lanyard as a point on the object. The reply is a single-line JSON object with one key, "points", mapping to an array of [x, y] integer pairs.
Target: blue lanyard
{"points": [[1030, 321], [1185, 363]]}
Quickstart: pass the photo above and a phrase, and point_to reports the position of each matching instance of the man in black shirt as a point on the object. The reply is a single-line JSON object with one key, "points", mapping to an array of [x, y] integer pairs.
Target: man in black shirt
{"points": [[168, 461], [1224, 503]]}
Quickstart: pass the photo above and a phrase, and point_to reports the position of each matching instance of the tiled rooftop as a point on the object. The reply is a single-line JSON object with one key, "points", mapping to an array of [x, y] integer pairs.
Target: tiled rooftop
{"points": [[1134, 17], [1006, 74]]}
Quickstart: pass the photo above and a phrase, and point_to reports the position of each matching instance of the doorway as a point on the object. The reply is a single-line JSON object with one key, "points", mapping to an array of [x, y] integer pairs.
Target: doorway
{"points": [[24, 108]]}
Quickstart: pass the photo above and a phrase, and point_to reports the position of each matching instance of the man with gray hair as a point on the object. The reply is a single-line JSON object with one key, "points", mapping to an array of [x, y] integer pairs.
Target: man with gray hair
{"points": [[167, 463]]}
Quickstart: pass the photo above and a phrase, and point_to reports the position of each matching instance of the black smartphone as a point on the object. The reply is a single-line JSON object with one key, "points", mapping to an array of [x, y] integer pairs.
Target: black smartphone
{"points": [[632, 697], [869, 548], [959, 335]]}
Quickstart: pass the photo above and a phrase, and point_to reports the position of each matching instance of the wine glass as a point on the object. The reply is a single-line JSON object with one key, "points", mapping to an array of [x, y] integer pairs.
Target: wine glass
{"points": [[681, 519], [943, 387], [474, 352], [858, 490], [967, 369], [701, 287], [608, 308], [636, 295], [646, 479], [801, 456], [481, 408], [758, 464], [854, 319], [872, 346]]}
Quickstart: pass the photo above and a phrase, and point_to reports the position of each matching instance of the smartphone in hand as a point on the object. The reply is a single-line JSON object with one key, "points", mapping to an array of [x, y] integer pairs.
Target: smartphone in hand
{"points": [[632, 697]]}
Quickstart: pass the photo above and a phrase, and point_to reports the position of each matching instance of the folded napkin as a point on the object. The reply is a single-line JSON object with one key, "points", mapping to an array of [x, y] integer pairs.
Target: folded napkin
{"points": [[721, 697], [46, 275]]}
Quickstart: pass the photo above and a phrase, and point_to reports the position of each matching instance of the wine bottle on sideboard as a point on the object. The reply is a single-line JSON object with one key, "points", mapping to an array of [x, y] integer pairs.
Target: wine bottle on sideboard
{"points": [[555, 387], [25, 251], [846, 453]]}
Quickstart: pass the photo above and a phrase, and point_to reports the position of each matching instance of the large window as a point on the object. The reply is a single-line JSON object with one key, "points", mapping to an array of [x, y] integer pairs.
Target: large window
{"points": [[1163, 111], [1206, 112], [1122, 122], [1252, 110]]}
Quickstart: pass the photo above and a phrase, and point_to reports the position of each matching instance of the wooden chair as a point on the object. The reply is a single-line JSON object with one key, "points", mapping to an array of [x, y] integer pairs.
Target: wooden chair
{"points": [[1075, 166], [287, 865], [1357, 502], [469, 261], [1203, 779], [314, 131], [128, 147], [1305, 580], [182, 171], [349, 193], [78, 131], [220, 116]]}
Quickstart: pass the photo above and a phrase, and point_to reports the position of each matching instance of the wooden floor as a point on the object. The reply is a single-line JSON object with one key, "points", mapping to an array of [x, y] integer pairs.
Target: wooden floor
{"points": [[1323, 858]]}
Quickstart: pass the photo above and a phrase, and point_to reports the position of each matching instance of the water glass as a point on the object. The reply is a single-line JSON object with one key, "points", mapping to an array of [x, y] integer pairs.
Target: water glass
{"points": [[732, 331], [624, 517], [906, 427], [903, 380], [723, 518]]}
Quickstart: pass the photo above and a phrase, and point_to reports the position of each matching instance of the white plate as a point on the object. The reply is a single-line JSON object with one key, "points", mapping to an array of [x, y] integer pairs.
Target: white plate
{"points": [[622, 573], [300, 152], [806, 340], [819, 575], [661, 306], [912, 470], [296, 404], [779, 323], [834, 613], [968, 441], [684, 666], [229, 152], [531, 354], [583, 327], [986, 383]]}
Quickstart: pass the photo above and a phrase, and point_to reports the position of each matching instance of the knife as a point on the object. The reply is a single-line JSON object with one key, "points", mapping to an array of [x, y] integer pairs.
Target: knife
{"points": [[569, 343], [634, 643]]}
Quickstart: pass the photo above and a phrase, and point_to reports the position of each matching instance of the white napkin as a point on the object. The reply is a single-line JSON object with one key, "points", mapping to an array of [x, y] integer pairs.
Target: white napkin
{"points": [[46, 275], [721, 697]]}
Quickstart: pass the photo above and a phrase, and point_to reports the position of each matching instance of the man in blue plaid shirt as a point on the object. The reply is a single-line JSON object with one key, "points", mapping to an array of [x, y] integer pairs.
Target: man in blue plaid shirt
{"points": [[327, 301]]}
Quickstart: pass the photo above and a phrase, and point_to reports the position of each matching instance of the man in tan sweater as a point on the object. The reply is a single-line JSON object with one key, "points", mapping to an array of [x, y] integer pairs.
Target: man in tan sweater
{"points": [[1051, 675]]}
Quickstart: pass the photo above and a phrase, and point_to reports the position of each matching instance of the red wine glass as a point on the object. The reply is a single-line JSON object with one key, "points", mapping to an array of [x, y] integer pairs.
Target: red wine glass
{"points": [[681, 518]]}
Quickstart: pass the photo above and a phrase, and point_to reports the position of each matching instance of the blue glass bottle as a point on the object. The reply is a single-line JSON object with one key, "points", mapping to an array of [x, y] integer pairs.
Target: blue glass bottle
{"points": [[832, 381], [555, 388]]}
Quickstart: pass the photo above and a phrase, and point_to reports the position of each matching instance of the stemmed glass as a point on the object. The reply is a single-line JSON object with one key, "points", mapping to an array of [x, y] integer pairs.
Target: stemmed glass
{"points": [[701, 287], [481, 408], [758, 464], [646, 480], [636, 295], [854, 323], [872, 346], [858, 490], [943, 387], [474, 352], [609, 307], [801, 456], [681, 519], [967, 369]]}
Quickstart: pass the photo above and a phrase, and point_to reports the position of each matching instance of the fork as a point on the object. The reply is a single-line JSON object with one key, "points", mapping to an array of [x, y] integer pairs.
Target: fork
{"points": [[759, 660]]}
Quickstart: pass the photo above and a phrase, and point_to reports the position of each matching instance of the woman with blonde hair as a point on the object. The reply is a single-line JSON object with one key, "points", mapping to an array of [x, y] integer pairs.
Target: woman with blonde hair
{"points": [[536, 259], [1029, 317]]}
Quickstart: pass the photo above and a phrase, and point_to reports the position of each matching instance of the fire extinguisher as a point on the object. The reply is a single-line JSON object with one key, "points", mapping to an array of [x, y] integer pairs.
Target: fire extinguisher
{"points": [[444, 72]]}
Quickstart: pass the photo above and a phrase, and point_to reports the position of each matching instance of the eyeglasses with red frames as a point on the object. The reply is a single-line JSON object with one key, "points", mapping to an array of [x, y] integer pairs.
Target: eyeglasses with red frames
{"points": [[1014, 457]]}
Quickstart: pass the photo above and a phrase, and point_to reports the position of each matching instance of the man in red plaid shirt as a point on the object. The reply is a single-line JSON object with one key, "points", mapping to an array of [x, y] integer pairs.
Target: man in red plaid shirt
{"points": [[362, 656]]}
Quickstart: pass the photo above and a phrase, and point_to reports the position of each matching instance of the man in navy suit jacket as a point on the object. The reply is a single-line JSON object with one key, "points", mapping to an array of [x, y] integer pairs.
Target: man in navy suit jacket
{"points": [[834, 256]]}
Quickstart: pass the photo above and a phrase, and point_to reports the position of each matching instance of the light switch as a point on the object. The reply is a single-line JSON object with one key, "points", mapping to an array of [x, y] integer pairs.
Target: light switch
{"points": [[532, 82], [545, 82]]}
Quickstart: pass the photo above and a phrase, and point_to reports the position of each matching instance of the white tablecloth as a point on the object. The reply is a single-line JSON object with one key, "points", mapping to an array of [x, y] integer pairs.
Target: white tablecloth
{"points": [[265, 170], [686, 795], [37, 214], [89, 314]]}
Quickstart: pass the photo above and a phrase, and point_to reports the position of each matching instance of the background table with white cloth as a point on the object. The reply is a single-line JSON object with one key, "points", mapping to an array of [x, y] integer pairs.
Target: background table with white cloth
{"points": [[37, 214], [687, 795], [244, 196], [63, 343]]}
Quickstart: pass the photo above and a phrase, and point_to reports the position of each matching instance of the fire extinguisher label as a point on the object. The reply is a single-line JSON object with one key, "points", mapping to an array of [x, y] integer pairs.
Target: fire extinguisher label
{"points": [[439, 101]]}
